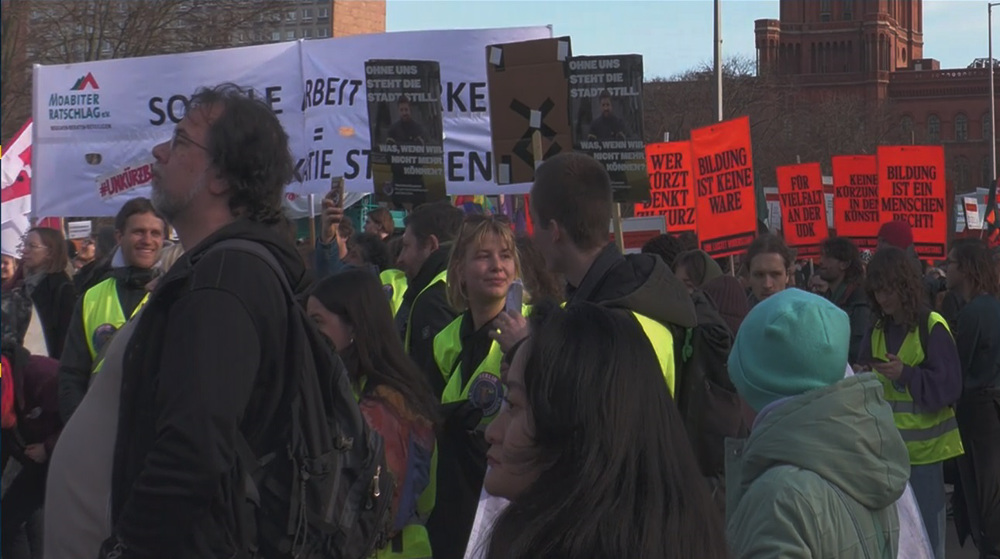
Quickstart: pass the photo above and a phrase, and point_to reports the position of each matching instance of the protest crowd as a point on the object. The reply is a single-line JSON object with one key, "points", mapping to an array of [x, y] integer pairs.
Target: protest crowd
{"points": [[473, 384]]}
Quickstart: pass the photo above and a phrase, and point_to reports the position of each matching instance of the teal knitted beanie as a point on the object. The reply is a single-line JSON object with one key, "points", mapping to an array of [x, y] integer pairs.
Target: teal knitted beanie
{"points": [[790, 343]]}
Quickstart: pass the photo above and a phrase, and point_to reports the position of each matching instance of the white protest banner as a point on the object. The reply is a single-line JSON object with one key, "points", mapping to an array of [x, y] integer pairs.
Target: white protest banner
{"points": [[336, 115], [94, 118]]}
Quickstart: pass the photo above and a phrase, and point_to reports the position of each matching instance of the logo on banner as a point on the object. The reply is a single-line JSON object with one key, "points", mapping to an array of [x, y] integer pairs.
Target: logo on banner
{"points": [[83, 105], [82, 83]]}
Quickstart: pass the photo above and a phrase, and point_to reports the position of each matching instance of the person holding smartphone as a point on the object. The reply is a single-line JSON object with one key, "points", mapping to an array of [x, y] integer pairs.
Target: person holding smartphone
{"points": [[913, 351], [331, 243], [482, 271]]}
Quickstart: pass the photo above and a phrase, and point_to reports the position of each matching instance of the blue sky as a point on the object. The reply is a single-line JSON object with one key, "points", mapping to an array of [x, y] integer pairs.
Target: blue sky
{"points": [[675, 35]]}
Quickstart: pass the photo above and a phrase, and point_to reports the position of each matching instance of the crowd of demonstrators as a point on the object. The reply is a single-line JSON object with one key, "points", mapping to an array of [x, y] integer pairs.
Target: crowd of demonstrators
{"points": [[594, 397], [352, 312], [104, 308], [912, 350]]}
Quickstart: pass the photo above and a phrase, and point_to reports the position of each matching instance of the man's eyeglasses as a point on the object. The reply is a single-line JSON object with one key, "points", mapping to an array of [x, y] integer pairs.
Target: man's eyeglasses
{"points": [[184, 139]]}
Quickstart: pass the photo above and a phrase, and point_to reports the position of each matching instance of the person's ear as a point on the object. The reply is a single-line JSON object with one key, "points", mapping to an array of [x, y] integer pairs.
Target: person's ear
{"points": [[558, 233], [433, 243]]}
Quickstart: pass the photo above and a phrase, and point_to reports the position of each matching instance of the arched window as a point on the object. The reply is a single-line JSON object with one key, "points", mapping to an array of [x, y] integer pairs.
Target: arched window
{"points": [[961, 128], [906, 127], [933, 129], [987, 127]]}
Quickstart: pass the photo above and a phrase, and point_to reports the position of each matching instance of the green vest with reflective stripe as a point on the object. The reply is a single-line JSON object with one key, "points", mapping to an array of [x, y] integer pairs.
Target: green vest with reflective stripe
{"points": [[103, 315], [930, 437], [440, 278], [394, 282], [416, 544], [483, 387]]}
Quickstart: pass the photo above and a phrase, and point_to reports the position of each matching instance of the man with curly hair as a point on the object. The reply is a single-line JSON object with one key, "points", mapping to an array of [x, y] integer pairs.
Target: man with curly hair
{"points": [[147, 468]]}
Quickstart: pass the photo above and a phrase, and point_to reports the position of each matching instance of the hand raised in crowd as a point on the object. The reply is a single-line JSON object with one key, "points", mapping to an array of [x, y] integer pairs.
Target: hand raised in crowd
{"points": [[510, 328], [331, 217], [892, 369], [36, 452]]}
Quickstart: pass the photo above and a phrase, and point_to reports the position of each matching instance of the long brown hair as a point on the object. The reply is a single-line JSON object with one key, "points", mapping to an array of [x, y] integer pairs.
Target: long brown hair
{"points": [[54, 241], [891, 269]]}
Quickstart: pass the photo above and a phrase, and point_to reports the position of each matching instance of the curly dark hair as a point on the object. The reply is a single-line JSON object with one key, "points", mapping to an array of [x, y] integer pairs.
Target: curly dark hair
{"points": [[976, 263], [891, 270], [248, 145], [844, 250], [666, 246]]}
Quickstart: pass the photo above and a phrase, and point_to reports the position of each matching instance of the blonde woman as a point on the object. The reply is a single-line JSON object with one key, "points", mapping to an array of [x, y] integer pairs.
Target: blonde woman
{"points": [[483, 265]]}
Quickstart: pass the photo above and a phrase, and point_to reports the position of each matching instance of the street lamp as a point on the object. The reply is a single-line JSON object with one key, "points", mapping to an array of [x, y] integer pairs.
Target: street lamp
{"points": [[993, 104]]}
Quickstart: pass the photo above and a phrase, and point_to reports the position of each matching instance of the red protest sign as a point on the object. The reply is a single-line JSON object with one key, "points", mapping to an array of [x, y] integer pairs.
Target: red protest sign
{"points": [[803, 207], [671, 189], [723, 172], [911, 186], [855, 200]]}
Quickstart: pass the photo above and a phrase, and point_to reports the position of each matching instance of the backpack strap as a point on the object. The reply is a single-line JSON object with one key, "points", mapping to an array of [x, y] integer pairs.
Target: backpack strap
{"points": [[923, 319], [258, 250]]}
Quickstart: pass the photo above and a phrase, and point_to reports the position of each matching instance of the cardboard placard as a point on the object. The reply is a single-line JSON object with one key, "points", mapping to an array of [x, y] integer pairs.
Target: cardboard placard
{"points": [[855, 201], [637, 231], [911, 185], [529, 90], [404, 116], [803, 207], [971, 207], [605, 104], [671, 188], [726, 198]]}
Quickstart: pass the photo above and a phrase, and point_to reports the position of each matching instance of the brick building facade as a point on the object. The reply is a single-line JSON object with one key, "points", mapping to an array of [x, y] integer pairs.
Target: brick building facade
{"points": [[874, 49]]}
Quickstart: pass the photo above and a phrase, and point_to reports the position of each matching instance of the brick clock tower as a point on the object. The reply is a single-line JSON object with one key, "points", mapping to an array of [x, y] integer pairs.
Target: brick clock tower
{"points": [[845, 45]]}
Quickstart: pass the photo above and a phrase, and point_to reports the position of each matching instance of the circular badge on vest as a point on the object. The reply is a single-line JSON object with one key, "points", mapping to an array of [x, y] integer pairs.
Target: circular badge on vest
{"points": [[387, 188], [389, 291], [102, 334], [485, 393]]}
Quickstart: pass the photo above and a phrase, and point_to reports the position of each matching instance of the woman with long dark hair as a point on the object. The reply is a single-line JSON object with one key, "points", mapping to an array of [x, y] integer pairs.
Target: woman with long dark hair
{"points": [[591, 450], [913, 351], [352, 311], [42, 277]]}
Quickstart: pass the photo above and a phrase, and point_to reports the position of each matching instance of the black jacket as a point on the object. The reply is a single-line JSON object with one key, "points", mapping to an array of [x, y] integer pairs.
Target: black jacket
{"points": [[426, 315], [76, 364], [207, 359], [641, 283], [54, 298]]}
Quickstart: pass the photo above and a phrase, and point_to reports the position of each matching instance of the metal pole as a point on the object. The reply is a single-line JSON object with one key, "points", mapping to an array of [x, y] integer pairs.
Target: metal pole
{"points": [[993, 107], [718, 58]]}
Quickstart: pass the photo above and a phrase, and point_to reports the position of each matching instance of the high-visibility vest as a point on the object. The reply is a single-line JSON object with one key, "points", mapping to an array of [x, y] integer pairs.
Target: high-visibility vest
{"points": [[483, 387], [103, 315], [930, 437], [412, 542], [440, 278], [394, 283], [662, 340]]}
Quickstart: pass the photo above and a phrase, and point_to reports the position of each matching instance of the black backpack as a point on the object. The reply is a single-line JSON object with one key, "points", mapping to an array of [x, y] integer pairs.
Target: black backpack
{"points": [[710, 407], [328, 492]]}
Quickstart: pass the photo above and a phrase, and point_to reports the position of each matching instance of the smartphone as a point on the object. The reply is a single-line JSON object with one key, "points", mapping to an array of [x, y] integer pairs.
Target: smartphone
{"points": [[515, 297], [336, 193]]}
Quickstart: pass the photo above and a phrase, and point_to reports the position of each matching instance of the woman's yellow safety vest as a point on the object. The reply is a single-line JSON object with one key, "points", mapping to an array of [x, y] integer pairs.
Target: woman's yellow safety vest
{"points": [[483, 388], [103, 315], [930, 437]]}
